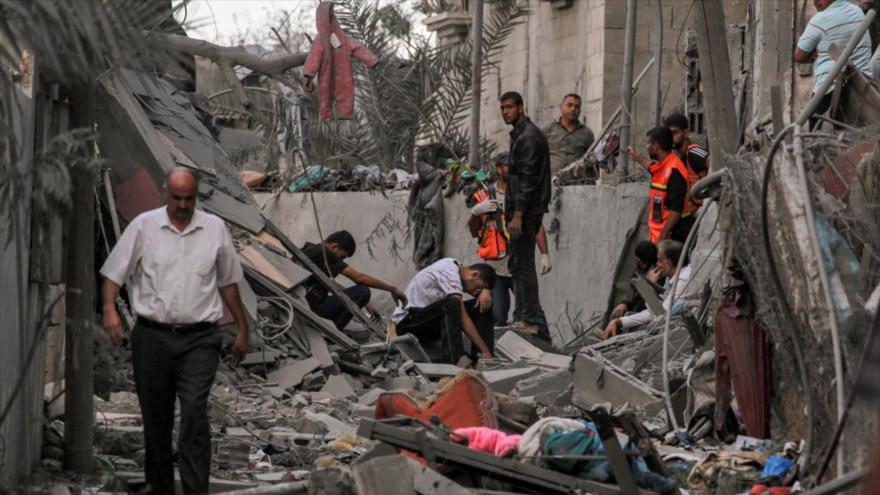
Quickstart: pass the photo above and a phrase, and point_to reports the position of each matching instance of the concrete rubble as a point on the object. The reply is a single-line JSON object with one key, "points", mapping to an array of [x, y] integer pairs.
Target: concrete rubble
{"points": [[320, 410]]}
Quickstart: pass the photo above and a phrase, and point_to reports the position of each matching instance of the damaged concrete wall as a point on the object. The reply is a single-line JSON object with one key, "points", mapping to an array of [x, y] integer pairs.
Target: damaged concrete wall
{"points": [[589, 226]]}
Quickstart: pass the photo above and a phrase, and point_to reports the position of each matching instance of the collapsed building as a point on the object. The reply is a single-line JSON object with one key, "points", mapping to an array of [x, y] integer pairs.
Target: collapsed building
{"points": [[314, 409]]}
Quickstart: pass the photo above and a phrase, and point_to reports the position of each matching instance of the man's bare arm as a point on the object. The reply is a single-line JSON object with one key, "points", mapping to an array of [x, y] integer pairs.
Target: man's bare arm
{"points": [[370, 281], [804, 57], [111, 321], [671, 220], [541, 240], [232, 299]]}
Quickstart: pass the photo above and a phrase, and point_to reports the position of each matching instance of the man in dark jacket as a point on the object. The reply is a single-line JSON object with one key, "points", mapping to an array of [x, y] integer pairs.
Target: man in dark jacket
{"points": [[525, 205]]}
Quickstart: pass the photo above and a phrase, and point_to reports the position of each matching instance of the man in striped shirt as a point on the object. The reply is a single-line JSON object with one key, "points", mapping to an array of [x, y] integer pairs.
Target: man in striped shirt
{"points": [[833, 24]]}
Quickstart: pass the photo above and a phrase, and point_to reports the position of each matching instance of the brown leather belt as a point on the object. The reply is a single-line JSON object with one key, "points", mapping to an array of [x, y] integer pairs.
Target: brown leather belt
{"points": [[176, 328]]}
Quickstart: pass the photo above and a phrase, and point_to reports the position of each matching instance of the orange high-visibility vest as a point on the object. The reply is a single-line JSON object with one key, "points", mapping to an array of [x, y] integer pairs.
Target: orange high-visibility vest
{"points": [[657, 212], [692, 204]]}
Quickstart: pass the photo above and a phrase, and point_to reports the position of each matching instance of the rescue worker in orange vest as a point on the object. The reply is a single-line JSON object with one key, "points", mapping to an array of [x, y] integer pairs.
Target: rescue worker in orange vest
{"points": [[669, 189], [694, 157]]}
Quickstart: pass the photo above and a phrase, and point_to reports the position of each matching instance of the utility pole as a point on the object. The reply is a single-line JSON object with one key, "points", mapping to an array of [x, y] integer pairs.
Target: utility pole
{"points": [[717, 85], [629, 48], [657, 40], [476, 83], [79, 407]]}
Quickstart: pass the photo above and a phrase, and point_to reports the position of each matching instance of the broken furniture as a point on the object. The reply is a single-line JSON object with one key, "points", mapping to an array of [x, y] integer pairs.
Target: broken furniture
{"points": [[416, 436]]}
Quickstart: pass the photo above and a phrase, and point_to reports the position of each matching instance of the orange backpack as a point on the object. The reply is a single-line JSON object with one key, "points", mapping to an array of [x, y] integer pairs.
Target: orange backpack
{"points": [[493, 234]]}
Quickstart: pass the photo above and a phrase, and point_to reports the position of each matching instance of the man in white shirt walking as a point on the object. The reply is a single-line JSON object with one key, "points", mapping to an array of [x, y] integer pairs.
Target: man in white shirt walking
{"points": [[436, 310], [182, 267]]}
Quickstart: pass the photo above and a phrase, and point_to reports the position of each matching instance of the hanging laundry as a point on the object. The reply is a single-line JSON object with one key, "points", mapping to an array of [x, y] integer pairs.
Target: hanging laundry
{"points": [[330, 59]]}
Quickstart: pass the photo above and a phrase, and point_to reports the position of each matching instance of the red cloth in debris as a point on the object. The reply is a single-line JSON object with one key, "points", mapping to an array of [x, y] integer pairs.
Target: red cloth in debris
{"points": [[333, 65], [742, 356], [488, 440]]}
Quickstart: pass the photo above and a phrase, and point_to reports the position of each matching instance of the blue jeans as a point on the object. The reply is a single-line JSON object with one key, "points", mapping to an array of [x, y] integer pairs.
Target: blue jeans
{"points": [[333, 309], [501, 307]]}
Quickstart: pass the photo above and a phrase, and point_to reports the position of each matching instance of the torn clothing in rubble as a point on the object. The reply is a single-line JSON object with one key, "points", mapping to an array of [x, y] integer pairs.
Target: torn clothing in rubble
{"points": [[330, 59], [742, 357], [425, 208], [645, 316], [566, 445], [487, 440]]}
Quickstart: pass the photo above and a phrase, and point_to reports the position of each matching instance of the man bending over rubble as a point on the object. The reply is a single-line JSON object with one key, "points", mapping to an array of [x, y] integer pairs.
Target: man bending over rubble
{"points": [[668, 254], [437, 311], [336, 248]]}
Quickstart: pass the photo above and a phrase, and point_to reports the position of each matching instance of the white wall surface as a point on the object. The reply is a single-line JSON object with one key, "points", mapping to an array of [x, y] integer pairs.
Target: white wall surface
{"points": [[592, 226]]}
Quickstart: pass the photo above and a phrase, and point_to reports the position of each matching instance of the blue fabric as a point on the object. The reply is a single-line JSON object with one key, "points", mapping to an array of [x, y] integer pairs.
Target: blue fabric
{"points": [[776, 467], [501, 300], [585, 442], [835, 25]]}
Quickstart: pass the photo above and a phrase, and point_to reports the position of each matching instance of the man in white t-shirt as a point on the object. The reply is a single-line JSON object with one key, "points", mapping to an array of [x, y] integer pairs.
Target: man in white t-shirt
{"points": [[436, 310]]}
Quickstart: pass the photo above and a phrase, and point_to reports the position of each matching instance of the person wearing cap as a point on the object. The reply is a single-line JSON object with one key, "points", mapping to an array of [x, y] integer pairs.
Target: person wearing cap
{"points": [[499, 298]]}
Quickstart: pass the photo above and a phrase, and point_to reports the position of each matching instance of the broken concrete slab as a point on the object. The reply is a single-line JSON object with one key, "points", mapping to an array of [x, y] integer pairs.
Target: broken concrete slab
{"points": [[259, 357], [503, 381], [334, 426], [396, 383], [514, 347], [409, 346], [291, 376], [544, 388], [337, 386], [426, 481], [437, 370], [388, 474], [370, 398], [552, 361], [401, 475], [597, 380]]}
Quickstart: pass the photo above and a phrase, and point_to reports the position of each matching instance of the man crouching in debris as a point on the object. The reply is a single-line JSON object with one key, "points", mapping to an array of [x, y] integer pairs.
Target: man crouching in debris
{"points": [[668, 254], [336, 248], [436, 309], [183, 268]]}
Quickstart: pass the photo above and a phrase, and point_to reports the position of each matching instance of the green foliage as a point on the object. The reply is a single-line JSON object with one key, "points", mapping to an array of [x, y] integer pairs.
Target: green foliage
{"points": [[416, 92]]}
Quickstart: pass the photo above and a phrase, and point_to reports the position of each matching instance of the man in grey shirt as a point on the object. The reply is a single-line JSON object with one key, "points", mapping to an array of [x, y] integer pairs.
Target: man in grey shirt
{"points": [[567, 137], [182, 267]]}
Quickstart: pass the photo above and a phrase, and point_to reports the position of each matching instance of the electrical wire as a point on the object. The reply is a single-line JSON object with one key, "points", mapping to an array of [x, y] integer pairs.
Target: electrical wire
{"points": [[780, 291], [265, 323], [666, 394], [824, 281]]}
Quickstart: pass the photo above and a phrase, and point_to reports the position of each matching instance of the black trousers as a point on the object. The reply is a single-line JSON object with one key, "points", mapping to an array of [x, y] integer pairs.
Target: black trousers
{"points": [[522, 270], [333, 309], [441, 321], [169, 366]]}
